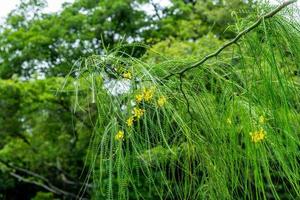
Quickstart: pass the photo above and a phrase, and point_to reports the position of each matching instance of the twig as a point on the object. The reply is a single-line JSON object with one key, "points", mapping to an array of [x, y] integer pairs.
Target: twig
{"points": [[155, 9], [234, 40]]}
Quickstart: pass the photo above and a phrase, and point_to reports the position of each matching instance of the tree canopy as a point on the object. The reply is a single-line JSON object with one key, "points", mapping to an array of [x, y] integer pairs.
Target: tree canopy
{"points": [[49, 44]]}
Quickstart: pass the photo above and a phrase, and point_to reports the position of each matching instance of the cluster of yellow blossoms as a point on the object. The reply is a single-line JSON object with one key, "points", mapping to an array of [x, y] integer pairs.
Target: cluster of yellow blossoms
{"points": [[127, 75], [119, 136], [139, 98], [258, 136], [137, 114], [146, 95], [161, 101], [130, 121]]}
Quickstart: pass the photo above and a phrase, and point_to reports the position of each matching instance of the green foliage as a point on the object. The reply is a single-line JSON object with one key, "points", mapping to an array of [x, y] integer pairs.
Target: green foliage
{"points": [[229, 132], [229, 129], [40, 133], [45, 40], [192, 19]]}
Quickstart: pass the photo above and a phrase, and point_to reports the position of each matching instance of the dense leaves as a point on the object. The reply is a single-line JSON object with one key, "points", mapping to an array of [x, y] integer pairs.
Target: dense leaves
{"points": [[49, 44]]}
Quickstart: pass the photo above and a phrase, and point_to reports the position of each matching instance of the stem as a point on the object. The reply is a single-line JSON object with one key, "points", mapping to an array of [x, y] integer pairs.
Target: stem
{"points": [[234, 40]]}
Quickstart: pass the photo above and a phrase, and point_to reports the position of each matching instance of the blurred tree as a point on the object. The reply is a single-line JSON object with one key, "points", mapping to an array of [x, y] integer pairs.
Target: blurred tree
{"points": [[49, 44], [43, 143], [191, 19]]}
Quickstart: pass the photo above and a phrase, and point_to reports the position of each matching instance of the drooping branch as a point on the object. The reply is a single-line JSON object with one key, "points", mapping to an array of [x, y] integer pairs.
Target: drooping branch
{"points": [[234, 40]]}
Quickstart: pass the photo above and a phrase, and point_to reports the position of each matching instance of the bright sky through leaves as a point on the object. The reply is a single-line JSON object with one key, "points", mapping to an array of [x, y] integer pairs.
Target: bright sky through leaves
{"points": [[55, 5], [8, 5]]}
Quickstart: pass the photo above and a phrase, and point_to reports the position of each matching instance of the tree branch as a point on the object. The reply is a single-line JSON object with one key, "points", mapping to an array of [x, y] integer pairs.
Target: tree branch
{"points": [[41, 180], [49, 188], [234, 40], [155, 9], [26, 180]]}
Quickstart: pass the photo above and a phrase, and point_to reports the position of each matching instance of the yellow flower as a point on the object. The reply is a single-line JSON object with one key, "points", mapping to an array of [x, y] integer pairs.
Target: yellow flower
{"points": [[148, 94], [119, 136], [258, 136], [262, 119], [229, 121], [161, 101], [139, 98], [138, 112], [129, 121], [127, 75]]}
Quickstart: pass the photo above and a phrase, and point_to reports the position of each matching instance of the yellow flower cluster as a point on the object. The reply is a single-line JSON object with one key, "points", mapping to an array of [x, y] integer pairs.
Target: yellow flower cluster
{"points": [[130, 121], [119, 136], [138, 112], [127, 75], [139, 98], [161, 101], [146, 95], [258, 136]]}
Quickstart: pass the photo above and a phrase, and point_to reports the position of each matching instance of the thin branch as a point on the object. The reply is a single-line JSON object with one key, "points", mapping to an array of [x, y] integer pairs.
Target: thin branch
{"points": [[50, 188], [42, 181], [234, 40], [26, 180], [156, 9]]}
